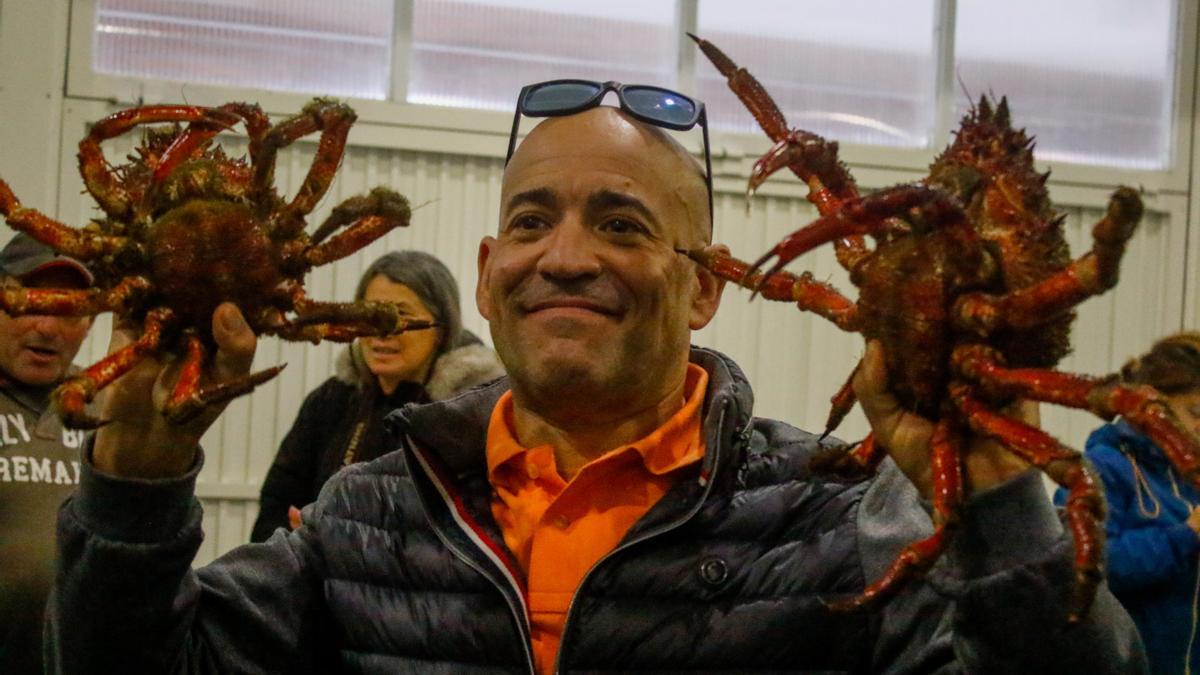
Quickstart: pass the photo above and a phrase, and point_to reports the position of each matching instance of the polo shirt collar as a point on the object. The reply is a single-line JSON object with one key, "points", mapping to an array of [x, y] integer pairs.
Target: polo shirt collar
{"points": [[676, 443]]}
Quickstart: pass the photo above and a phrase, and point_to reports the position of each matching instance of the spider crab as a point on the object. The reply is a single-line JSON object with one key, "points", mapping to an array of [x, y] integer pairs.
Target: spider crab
{"points": [[971, 288], [187, 227]]}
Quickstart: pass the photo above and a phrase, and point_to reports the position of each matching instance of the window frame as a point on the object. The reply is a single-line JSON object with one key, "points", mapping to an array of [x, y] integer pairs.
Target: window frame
{"points": [[394, 123]]}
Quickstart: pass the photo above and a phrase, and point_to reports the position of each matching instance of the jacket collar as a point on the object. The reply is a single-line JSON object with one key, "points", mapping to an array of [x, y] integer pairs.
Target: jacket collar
{"points": [[448, 442], [455, 430], [1123, 435]]}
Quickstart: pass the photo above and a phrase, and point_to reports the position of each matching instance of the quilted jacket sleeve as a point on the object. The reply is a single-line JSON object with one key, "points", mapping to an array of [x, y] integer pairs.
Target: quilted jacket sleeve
{"points": [[127, 600], [997, 601]]}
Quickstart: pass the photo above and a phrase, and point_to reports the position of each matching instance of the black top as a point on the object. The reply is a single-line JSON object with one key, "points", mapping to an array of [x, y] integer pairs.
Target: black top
{"points": [[338, 424]]}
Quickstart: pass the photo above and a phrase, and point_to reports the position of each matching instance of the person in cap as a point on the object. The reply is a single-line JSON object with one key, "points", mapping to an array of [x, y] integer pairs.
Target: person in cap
{"points": [[611, 506], [39, 459]]}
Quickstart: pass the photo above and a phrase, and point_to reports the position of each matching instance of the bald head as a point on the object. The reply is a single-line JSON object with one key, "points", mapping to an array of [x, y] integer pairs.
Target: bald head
{"points": [[607, 137]]}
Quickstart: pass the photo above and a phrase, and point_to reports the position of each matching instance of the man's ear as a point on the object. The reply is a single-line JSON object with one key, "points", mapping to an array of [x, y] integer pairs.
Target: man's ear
{"points": [[482, 297], [708, 295]]}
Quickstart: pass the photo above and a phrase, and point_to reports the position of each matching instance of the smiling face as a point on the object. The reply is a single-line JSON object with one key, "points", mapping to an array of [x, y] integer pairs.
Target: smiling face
{"points": [[406, 357], [36, 349], [589, 304]]}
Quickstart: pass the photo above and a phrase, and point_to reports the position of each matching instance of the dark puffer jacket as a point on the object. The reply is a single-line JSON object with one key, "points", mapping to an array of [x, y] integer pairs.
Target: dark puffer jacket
{"points": [[399, 567]]}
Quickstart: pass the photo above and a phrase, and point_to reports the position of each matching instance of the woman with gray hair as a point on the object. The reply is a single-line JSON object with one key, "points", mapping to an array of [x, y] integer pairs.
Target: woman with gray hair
{"points": [[341, 422]]}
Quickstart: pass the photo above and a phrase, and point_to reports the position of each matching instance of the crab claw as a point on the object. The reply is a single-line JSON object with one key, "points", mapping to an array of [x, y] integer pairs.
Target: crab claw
{"points": [[755, 268], [8, 201], [821, 231], [186, 408], [723, 63], [405, 325], [71, 399], [199, 133], [778, 157]]}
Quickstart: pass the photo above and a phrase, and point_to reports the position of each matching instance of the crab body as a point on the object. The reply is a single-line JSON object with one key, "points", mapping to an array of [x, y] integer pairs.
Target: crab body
{"points": [[907, 287], [989, 170], [971, 289], [186, 228], [220, 242]]}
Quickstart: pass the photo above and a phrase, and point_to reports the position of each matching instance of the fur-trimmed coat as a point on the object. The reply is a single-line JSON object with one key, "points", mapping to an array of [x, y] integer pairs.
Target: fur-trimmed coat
{"points": [[341, 422]]}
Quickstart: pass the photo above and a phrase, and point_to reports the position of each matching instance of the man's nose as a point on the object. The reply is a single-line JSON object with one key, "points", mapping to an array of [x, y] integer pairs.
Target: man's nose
{"points": [[49, 325], [571, 252]]}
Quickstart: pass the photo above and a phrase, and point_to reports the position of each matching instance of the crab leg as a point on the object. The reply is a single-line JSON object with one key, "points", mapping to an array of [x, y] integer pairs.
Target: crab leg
{"points": [[56, 235], [1085, 501], [748, 89], [18, 300], [189, 399], [855, 461], [256, 121], [813, 159], [1143, 407], [333, 120], [73, 395], [1092, 274], [274, 322], [869, 215], [99, 178], [808, 293], [380, 201], [371, 216], [918, 557], [841, 403], [337, 321], [318, 332], [377, 318], [189, 375], [315, 333], [199, 133], [355, 237], [816, 162]]}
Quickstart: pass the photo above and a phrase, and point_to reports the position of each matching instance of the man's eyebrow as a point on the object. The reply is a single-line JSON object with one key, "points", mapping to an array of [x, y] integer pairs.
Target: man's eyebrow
{"points": [[603, 200], [538, 196]]}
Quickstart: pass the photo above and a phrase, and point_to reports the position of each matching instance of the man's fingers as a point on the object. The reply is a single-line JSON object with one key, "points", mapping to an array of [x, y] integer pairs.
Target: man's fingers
{"points": [[236, 342], [870, 387], [904, 434]]}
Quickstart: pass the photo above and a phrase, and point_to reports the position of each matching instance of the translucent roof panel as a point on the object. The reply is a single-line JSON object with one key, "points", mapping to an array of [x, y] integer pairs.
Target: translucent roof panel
{"points": [[339, 48]]}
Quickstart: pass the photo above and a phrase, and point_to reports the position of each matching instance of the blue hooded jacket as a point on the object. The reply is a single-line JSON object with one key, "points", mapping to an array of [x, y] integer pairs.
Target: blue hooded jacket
{"points": [[1152, 553]]}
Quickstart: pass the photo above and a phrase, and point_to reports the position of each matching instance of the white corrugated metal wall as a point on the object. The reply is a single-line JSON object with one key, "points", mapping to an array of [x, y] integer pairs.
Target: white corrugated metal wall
{"points": [[795, 360]]}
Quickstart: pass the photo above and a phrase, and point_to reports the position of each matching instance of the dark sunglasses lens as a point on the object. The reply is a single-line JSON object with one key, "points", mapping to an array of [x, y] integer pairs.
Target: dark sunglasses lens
{"points": [[660, 104], [550, 98]]}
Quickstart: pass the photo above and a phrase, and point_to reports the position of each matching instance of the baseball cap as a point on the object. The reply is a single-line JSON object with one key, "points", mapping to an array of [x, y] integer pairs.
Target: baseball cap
{"points": [[24, 255]]}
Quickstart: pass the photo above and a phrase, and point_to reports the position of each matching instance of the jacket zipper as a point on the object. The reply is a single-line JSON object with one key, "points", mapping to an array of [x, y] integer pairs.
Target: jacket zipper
{"points": [[522, 618], [645, 536]]}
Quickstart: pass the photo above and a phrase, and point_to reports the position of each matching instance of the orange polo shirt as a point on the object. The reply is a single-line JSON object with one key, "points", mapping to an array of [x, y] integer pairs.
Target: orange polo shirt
{"points": [[558, 529]]}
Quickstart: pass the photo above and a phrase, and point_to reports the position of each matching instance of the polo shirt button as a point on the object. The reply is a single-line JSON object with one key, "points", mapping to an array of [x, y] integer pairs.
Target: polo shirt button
{"points": [[714, 571], [561, 522], [532, 470]]}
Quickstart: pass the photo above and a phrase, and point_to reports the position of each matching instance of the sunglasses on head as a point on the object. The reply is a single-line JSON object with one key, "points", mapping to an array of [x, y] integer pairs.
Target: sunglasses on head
{"points": [[652, 105]]}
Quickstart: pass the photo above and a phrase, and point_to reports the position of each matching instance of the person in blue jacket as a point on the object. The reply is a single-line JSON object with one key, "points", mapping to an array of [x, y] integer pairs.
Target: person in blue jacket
{"points": [[1153, 524]]}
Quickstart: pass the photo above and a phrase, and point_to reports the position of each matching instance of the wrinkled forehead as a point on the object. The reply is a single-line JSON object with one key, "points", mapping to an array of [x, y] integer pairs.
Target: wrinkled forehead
{"points": [[606, 132], [604, 139]]}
